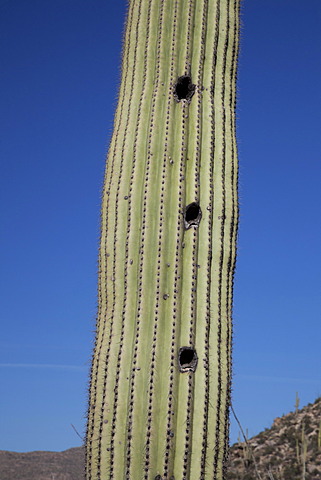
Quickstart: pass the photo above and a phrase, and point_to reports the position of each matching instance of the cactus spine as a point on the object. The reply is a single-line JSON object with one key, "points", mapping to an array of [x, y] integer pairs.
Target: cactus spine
{"points": [[161, 369]]}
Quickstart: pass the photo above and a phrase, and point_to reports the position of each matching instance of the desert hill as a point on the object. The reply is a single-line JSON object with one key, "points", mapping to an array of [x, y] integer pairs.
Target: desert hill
{"points": [[67, 465], [289, 450]]}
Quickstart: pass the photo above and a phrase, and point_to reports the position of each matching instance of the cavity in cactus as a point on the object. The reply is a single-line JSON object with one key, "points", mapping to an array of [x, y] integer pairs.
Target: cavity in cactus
{"points": [[161, 369]]}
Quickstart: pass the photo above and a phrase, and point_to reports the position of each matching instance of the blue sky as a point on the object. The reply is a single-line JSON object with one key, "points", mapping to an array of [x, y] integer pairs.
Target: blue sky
{"points": [[60, 71]]}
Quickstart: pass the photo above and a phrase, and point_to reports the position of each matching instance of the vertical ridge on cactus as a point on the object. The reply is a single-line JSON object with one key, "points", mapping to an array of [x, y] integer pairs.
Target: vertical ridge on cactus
{"points": [[161, 369]]}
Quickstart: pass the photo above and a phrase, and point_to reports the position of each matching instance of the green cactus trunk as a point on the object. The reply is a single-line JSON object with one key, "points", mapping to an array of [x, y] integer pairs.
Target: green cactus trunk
{"points": [[161, 370]]}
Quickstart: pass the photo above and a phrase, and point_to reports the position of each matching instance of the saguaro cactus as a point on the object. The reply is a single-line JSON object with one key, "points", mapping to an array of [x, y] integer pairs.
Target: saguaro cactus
{"points": [[161, 369]]}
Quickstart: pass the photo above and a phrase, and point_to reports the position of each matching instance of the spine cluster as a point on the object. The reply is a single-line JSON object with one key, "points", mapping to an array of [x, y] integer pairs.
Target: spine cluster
{"points": [[161, 369]]}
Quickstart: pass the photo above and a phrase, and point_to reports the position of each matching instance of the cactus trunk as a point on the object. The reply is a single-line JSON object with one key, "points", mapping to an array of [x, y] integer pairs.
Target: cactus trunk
{"points": [[161, 369]]}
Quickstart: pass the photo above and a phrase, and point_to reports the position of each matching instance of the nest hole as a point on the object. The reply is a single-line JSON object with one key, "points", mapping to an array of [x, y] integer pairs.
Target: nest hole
{"points": [[187, 359], [184, 88], [192, 215]]}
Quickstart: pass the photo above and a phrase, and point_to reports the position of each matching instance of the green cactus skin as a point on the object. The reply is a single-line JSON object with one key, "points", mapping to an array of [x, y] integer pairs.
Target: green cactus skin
{"points": [[161, 369]]}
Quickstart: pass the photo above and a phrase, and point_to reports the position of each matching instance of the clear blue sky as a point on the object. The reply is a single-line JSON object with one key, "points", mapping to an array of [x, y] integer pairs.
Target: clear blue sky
{"points": [[60, 70]]}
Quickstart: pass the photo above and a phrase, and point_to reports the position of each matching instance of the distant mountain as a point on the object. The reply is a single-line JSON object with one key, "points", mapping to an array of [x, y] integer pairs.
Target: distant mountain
{"points": [[67, 465], [289, 450]]}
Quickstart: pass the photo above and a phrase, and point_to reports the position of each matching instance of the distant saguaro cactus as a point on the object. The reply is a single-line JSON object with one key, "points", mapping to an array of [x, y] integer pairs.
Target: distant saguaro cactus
{"points": [[161, 369]]}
